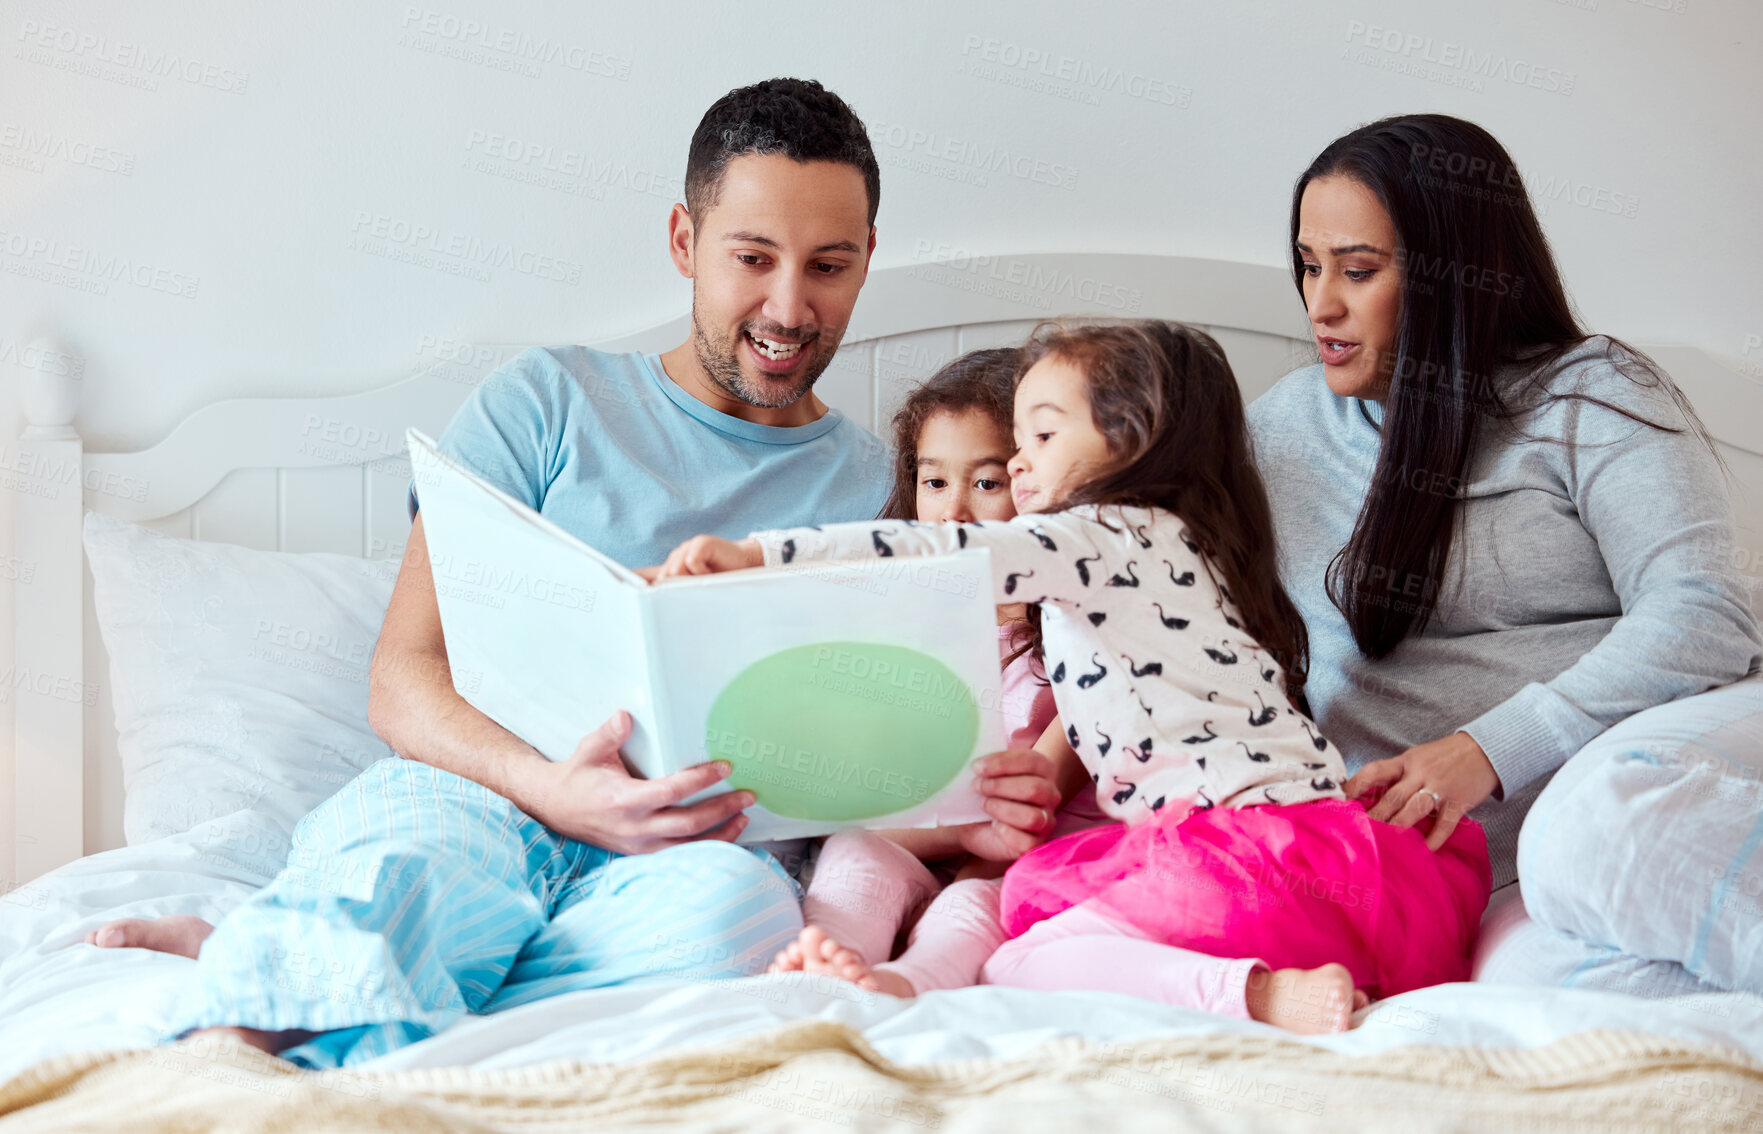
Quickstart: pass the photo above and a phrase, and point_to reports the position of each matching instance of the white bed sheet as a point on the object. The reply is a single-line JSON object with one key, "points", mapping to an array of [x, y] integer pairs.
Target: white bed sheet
{"points": [[58, 995], [617, 1025]]}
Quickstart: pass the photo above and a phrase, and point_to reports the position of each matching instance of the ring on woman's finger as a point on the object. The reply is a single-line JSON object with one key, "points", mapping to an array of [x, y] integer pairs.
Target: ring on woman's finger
{"points": [[1437, 800]]}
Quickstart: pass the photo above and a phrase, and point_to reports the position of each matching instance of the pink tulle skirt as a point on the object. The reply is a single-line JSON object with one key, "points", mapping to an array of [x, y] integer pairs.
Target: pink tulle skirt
{"points": [[1298, 886]]}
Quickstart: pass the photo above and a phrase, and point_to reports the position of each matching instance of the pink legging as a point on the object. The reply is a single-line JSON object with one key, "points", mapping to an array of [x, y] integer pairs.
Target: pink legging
{"points": [[1083, 948], [865, 887]]}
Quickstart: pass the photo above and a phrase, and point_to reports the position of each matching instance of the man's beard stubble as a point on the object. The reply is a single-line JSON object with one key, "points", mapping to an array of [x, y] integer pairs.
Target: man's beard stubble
{"points": [[719, 360]]}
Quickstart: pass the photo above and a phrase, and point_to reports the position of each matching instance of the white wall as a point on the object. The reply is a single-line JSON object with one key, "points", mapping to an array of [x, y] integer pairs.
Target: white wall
{"points": [[253, 198], [228, 159]]}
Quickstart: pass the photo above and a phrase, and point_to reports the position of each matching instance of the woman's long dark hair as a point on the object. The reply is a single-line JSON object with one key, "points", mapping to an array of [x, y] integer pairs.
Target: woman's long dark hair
{"points": [[980, 380], [1164, 398], [1481, 295]]}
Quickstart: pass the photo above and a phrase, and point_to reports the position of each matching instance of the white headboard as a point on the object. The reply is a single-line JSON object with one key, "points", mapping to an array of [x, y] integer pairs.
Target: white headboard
{"points": [[329, 474]]}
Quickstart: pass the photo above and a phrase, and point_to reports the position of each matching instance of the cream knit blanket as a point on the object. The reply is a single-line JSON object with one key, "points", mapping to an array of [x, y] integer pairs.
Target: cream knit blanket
{"points": [[818, 1075]]}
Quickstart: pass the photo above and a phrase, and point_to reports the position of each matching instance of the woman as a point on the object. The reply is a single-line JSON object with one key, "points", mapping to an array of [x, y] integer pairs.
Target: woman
{"points": [[1505, 534]]}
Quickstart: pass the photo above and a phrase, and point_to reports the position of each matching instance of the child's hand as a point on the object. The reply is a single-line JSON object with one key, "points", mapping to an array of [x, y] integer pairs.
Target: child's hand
{"points": [[707, 555], [993, 841], [1022, 798]]}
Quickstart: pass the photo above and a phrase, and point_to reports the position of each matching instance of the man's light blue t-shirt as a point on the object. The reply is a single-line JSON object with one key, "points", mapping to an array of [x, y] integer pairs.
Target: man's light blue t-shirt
{"points": [[612, 450]]}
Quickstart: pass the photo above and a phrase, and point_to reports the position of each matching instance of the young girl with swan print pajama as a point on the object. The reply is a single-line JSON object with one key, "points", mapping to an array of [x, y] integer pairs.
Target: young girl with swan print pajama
{"points": [[951, 451], [1170, 647]]}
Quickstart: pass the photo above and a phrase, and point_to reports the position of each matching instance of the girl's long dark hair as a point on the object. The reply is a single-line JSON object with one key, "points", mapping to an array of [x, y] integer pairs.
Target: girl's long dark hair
{"points": [[978, 380], [1164, 398], [1481, 296], [982, 380]]}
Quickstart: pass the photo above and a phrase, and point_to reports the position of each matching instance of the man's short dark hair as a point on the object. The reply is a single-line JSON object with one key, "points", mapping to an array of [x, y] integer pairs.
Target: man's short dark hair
{"points": [[797, 118]]}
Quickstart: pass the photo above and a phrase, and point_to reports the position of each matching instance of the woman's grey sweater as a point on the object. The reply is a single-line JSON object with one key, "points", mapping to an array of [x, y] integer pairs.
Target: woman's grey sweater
{"points": [[1592, 576]]}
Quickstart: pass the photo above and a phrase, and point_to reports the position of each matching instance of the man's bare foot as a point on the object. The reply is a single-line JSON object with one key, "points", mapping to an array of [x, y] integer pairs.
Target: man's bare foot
{"points": [[272, 1042], [180, 934], [814, 952], [1307, 1001]]}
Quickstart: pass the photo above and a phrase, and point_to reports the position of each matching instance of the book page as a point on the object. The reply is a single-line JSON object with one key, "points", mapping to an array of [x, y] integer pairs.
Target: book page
{"points": [[845, 694]]}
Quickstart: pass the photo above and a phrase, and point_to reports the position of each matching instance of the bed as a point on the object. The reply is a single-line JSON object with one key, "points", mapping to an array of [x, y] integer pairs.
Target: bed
{"points": [[318, 486]]}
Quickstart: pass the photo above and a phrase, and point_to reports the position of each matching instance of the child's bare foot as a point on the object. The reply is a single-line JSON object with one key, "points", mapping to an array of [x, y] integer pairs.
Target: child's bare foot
{"points": [[814, 952], [180, 934], [273, 1042], [788, 959], [1306, 1001]]}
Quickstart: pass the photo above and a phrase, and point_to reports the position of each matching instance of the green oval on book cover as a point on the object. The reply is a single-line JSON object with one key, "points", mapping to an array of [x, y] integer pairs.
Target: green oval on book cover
{"points": [[840, 731]]}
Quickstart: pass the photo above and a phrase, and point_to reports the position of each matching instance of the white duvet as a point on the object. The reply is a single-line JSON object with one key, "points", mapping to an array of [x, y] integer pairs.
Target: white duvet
{"points": [[210, 723], [59, 995]]}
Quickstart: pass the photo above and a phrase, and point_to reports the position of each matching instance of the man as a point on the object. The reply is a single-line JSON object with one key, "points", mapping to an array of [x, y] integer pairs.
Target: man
{"points": [[475, 875]]}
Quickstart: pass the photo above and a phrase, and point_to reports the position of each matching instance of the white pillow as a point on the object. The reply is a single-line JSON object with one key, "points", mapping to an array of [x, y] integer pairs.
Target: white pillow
{"points": [[1650, 839], [239, 677]]}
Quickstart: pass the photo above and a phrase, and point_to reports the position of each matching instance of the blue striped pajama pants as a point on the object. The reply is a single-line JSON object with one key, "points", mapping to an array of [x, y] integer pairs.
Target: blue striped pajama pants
{"points": [[414, 897]]}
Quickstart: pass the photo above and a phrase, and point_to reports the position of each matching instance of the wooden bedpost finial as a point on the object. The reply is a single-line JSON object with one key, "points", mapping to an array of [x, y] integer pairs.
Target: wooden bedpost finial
{"points": [[49, 395]]}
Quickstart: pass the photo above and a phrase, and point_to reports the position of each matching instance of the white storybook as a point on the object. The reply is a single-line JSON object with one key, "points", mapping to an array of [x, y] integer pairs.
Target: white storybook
{"points": [[850, 694]]}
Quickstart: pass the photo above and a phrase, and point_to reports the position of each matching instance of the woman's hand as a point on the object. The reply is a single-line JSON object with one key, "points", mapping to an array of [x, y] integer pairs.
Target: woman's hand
{"points": [[707, 555], [1443, 778]]}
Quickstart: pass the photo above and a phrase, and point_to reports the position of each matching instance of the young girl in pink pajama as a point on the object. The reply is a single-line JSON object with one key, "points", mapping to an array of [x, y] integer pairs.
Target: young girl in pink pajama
{"points": [[952, 445], [1177, 661]]}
